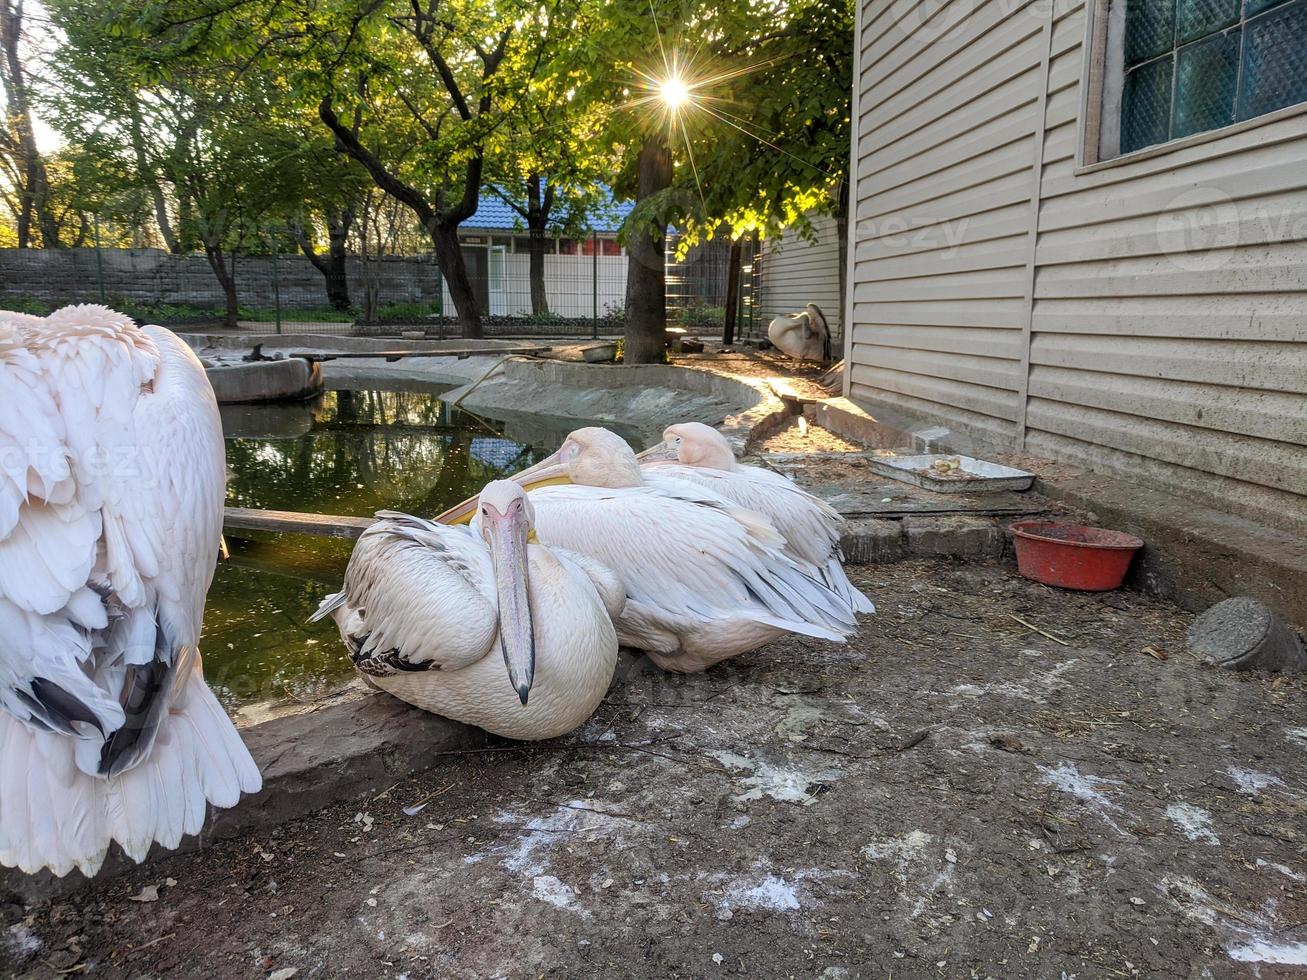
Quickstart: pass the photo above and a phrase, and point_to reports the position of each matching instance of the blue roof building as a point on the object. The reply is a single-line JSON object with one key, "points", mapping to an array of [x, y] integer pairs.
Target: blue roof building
{"points": [[495, 214]]}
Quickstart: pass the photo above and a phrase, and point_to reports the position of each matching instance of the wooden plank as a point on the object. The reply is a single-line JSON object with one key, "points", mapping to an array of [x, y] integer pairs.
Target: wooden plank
{"points": [[290, 522], [396, 355]]}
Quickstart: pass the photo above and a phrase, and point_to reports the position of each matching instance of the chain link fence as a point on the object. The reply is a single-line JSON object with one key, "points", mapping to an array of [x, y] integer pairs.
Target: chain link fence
{"points": [[278, 288]]}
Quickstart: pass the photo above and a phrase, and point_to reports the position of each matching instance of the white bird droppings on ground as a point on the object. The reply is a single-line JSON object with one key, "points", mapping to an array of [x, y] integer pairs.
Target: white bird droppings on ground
{"points": [[1264, 950], [1284, 869], [1194, 822], [769, 894], [1084, 788], [785, 784], [1250, 782], [549, 889]]}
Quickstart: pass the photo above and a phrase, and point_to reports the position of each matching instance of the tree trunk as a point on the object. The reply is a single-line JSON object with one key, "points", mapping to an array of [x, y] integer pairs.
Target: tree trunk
{"points": [[34, 192], [450, 256], [333, 265], [336, 276], [646, 276], [226, 277], [732, 292], [538, 206]]}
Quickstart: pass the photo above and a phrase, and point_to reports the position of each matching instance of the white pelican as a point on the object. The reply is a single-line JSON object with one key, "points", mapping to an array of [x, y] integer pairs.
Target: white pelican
{"points": [[112, 481], [804, 336], [705, 580], [810, 526], [433, 613]]}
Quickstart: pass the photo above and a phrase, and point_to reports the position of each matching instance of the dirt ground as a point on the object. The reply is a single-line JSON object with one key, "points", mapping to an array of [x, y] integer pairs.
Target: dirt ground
{"points": [[952, 794]]}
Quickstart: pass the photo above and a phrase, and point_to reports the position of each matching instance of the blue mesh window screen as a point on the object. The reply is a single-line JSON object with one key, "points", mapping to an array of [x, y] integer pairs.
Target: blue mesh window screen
{"points": [[1199, 18], [1274, 61], [1197, 65], [1206, 83], [1146, 105], [1149, 30], [1256, 7]]}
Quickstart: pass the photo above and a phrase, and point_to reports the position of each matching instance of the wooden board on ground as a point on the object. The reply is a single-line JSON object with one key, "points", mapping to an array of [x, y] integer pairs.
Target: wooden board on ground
{"points": [[285, 521]]}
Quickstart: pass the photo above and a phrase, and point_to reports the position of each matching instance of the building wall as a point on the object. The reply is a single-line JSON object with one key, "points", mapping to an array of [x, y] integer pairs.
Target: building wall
{"points": [[796, 272], [572, 283], [1146, 317]]}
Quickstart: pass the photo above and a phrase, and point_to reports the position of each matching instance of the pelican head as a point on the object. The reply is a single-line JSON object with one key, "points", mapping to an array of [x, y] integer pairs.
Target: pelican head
{"points": [[592, 457], [505, 517], [696, 444]]}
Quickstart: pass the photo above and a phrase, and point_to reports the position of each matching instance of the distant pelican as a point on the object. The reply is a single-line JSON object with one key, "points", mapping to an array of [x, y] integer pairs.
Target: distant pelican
{"points": [[112, 481], [433, 614], [810, 526], [705, 580], [805, 335]]}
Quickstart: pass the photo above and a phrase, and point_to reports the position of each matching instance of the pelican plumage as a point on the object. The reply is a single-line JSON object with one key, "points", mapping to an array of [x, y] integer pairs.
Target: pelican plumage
{"points": [[805, 335], [810, 526], [704, 579], [112, 480], [433, 614]]}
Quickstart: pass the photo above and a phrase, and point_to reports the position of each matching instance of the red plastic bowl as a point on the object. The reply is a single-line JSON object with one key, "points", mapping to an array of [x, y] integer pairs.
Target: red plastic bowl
{"points": [[1069, 556]]}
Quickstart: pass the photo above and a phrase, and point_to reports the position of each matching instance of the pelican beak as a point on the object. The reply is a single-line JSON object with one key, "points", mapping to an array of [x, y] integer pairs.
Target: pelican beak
{"points": [[546, 473], [506, 534], [662, 452]]}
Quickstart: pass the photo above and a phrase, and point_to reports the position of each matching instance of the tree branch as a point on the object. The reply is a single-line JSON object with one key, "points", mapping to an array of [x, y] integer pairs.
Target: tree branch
{"points": [[347, 142]]}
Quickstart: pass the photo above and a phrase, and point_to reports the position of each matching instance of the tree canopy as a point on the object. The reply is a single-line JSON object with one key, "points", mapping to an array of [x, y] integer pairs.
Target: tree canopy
{"points": [[204, 121]]}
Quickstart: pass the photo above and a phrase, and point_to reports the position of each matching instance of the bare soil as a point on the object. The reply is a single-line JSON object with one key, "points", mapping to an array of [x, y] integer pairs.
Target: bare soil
{"points": [[798, 435], [992, 779]]}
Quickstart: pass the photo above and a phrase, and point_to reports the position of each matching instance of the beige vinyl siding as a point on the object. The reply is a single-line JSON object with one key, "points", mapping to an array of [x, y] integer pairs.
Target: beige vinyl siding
{"points": [[942, 213], [1146, 318], [796, 272]]}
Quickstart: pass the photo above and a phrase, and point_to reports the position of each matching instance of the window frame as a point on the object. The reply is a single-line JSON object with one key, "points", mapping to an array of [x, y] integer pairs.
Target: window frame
{"points": [[1100, 102]]}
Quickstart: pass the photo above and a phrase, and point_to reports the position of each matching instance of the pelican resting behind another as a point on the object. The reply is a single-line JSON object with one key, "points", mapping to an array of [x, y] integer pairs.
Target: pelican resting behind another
{"points": [[433, 613], [705, 580], [810, 526], [805, 335]]}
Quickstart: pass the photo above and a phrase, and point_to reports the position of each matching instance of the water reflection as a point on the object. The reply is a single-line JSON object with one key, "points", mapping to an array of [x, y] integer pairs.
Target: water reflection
{"points": [[350, 453]]}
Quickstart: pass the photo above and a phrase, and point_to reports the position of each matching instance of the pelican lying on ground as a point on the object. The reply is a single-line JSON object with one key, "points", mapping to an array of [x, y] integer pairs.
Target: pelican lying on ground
{"points": [[805, 335], [810, 526], [705, 580], [433, 614], [111, 489]]}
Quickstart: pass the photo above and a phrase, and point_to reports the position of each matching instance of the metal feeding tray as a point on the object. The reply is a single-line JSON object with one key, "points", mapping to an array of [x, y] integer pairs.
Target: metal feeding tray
{"points": [[970, 476]]}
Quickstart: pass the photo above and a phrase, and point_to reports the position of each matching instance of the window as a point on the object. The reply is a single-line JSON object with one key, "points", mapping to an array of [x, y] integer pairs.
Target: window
{"points": [[1175, 68]]}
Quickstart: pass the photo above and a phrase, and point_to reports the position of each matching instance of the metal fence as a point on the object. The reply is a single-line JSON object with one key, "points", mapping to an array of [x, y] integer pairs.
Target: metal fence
{"points": [[277, 289]]}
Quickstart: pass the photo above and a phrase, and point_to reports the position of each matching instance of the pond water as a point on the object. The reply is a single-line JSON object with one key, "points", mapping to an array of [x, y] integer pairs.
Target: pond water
{"points": [[349, 452]]}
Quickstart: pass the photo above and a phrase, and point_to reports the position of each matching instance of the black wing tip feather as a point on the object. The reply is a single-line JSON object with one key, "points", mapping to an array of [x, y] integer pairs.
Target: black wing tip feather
{"points": [[145, 701], [55, 709]]}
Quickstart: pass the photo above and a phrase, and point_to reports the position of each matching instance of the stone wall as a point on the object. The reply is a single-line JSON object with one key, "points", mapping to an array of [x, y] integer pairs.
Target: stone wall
{"points": [[150, 276]]}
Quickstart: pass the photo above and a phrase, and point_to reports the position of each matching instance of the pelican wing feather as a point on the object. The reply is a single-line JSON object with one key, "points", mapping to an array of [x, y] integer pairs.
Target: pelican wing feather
{"points": [[417, 596], [687, 553], [808, 524]]}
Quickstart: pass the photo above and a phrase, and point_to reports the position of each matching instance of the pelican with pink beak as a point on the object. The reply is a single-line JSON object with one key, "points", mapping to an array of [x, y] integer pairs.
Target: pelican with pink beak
{"points": [[704, 579], [434, 614], [811, 527]]}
